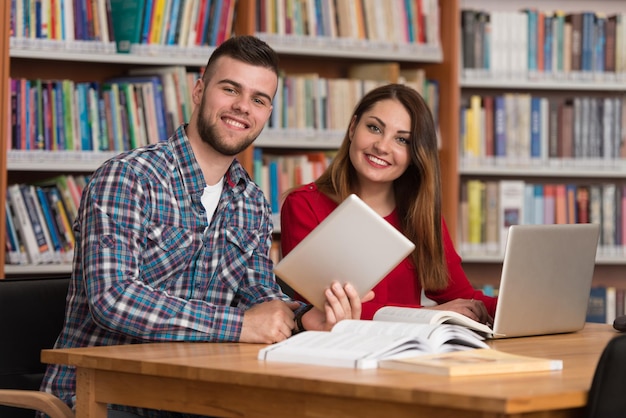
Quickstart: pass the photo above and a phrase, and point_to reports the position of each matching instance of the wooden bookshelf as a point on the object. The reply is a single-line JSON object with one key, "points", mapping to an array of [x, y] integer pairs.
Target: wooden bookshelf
{"points": [[440, 64], [5, 13], [486, 268]]}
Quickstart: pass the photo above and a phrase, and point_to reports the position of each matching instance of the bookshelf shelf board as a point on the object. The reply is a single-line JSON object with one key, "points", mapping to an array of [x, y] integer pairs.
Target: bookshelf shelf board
{"points": [[582, 170], [545, 84], [19, 270], [174, 55], [295, 139], [56, 160], [197, 56], [611, 258], [352, 48]]}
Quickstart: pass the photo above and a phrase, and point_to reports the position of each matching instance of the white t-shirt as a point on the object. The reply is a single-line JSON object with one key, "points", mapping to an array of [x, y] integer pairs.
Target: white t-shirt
{"points": [[211, 197]]}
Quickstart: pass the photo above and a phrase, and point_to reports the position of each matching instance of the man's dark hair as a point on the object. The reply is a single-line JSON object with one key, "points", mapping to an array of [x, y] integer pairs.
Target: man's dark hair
{"points": [[245, 48]]}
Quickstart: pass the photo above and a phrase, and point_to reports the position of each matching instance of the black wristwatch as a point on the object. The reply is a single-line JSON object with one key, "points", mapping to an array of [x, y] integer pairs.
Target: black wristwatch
{"points": [[299, 327]]}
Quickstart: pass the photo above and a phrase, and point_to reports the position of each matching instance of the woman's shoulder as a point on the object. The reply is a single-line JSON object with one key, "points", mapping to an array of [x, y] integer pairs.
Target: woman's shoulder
{"points": [[306, 188], [305, 191], [311, 196]]}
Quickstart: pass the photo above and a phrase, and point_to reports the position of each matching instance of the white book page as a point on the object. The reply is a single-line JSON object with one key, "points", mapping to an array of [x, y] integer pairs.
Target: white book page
{"points": [[342, 349], [405, 329], [421, 315], [415, 315]]}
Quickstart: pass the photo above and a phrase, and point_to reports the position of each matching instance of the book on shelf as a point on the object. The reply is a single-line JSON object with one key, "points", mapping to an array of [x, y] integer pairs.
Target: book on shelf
{"points": [[176, 92], [476, 212], [61, 220], [45, 217], [483, 361], [69, 198], [492, 222], [34, 244], [605, 304], [224, 26], [511, 207], [607, 237], [597, 305], [156, 25], [172, 23], [383, 71], [44, 245], [127, 17], [16, 253], [156, 114], [361, 344]]}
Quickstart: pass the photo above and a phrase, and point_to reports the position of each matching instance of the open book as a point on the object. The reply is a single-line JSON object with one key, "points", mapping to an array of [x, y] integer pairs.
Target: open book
{"points": [[473, 362], [361, 344], [430, 316]]}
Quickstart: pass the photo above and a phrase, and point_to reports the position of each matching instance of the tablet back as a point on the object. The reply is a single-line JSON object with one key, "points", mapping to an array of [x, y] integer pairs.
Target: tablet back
{"points": [[353, 244]]}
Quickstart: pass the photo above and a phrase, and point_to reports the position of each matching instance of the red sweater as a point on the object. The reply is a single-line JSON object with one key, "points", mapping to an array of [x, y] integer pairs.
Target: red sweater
{"points": [[306, 207]]}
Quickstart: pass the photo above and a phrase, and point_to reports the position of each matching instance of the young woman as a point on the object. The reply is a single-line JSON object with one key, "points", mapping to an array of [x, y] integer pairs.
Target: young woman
{"points": [[389, 158]]}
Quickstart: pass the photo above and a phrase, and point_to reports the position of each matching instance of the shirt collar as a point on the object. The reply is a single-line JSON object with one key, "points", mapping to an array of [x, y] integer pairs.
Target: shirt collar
{"points": [[193, 179]]}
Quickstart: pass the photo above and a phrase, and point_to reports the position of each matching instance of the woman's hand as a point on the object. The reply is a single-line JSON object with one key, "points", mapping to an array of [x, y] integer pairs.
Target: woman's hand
{"points": [[342, 302], [474, 309]]}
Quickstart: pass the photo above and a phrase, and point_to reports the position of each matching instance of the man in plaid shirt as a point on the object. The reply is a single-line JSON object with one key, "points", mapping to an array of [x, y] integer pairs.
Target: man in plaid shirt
{"points": [[173, 238]]}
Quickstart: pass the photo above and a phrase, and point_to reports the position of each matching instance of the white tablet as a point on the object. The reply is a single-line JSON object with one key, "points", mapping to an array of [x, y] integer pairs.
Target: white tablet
{"points": [[353, 244]]}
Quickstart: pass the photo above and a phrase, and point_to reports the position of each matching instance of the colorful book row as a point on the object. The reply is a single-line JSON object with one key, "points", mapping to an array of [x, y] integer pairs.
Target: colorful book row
{"points": [[115, 115], [489, 208], [391, 21], [276, 174], [308, 101], [182, 23], [520, 128], [62, 20], [147, 105], [604, 304], [39, 220], [532, 43], [124, 23]]}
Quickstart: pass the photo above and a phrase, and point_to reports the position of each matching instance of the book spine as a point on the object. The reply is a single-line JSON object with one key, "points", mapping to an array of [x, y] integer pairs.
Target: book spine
{"points": [[147, 21], [535, 127], [48, 217], [62, 218], [13, 244], [500, 146], [37, 223], [23, 224], [45, 226]]}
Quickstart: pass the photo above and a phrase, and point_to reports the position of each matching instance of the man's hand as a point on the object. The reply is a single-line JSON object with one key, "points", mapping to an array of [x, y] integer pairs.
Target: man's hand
{"points": [[268, 322], [342, 302]]}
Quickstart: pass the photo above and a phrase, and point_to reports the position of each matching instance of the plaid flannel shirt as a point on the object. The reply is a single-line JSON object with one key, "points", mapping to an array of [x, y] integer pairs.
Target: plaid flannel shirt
{"points": [[149, 268]]}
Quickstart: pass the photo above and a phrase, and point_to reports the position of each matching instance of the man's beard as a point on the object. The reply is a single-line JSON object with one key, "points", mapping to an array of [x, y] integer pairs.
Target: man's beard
{"points": [[209, 135]]}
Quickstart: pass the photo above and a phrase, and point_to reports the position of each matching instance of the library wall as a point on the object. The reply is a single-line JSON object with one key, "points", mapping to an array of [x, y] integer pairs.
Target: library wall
{"points": [[59, 75], [542, 129]]}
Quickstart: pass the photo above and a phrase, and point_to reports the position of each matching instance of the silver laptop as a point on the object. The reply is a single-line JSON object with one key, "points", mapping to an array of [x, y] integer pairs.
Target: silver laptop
{"points": [[546, 279], [353, 244]]}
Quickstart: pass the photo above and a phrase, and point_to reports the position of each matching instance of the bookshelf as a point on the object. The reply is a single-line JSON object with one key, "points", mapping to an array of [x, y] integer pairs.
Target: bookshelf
{"points": [[4, 116], [583, 170], [299, 55]]}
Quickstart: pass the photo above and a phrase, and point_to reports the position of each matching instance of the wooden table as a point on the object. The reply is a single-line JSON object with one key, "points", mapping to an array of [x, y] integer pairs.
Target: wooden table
{"points": [[227, 380]]}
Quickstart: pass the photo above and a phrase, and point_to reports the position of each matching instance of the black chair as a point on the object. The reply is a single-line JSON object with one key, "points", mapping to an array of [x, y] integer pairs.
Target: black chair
{"points": [[31, 317], [607, 396]]}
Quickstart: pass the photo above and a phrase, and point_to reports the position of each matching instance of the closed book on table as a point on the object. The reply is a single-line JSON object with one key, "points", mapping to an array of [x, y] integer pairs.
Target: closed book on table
{"points": [[480, 361]]}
